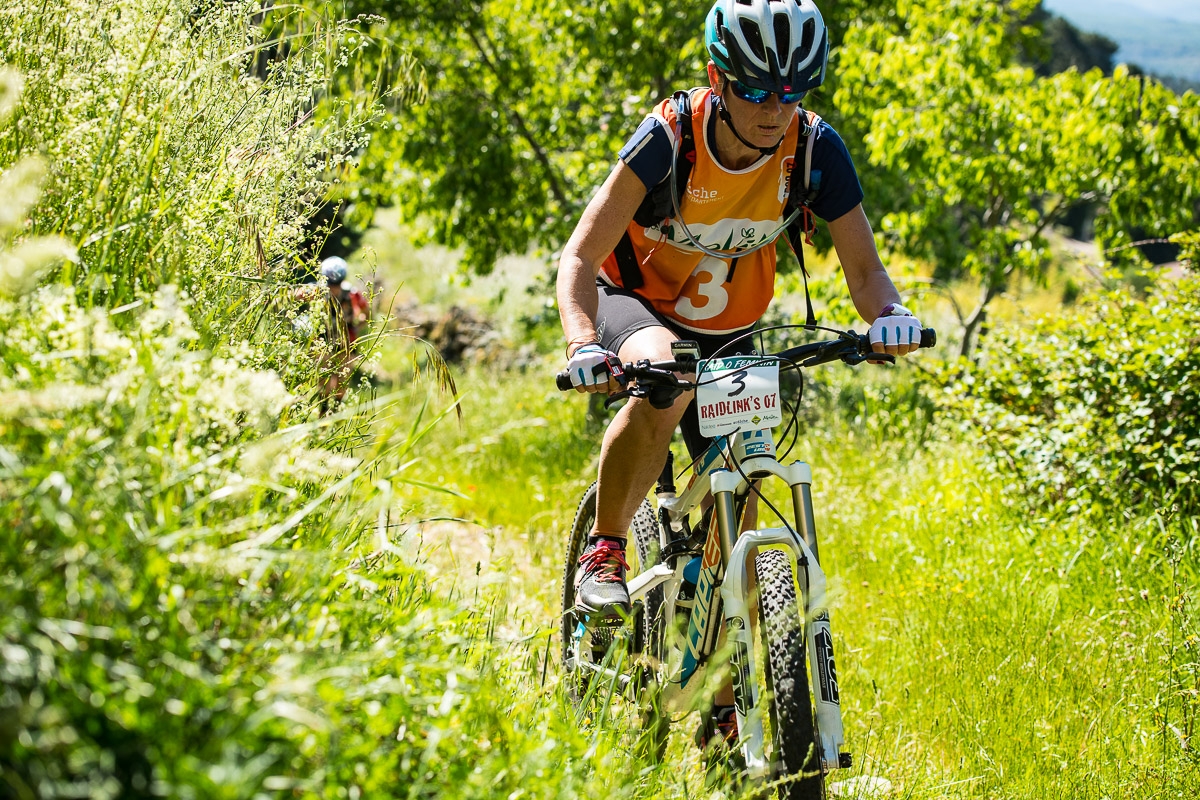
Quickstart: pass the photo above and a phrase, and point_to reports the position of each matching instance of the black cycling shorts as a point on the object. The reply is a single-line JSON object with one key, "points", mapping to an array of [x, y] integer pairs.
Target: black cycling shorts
{"points": [[622, 313]]}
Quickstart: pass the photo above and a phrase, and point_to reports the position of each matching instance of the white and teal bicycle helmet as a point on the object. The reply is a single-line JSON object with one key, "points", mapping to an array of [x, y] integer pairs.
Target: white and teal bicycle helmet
{"points": [[335, 270], [778, 46]]}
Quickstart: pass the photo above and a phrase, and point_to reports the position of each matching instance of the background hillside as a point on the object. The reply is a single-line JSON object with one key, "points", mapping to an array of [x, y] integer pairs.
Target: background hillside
{"points": [[1160, 36]]}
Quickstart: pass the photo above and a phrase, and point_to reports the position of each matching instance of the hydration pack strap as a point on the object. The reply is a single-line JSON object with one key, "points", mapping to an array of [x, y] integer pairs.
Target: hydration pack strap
{"points": [[801, 231], [627, 263], [798, 248], [687, 142]]}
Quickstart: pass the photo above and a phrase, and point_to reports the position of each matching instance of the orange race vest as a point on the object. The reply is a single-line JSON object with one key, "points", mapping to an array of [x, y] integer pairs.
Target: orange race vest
{"points": [[724, 209]]}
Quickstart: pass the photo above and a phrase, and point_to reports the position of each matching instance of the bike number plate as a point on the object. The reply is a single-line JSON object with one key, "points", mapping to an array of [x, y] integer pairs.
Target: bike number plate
{"points": [[739, 393]]}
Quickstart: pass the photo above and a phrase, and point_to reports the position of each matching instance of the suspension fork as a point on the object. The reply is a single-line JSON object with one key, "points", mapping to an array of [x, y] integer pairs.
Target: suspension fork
{"points": [[735, 593]]}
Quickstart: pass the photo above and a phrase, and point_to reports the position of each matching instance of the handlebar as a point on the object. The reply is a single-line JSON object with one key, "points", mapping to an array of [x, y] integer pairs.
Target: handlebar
{"points": [[850, 347]]}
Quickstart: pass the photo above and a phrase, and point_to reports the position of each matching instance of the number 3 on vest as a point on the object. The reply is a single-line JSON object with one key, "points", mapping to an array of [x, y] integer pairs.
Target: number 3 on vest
{"points": [[704, 295]]}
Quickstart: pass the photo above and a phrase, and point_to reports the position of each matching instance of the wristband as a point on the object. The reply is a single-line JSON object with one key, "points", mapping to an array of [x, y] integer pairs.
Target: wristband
{"points": [[895, 310], [579, 344]]}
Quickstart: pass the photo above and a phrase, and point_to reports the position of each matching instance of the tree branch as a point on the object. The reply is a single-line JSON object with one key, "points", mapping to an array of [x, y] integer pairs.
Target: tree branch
{"points": [[1049, 217], [990, 290], [518, 121]]}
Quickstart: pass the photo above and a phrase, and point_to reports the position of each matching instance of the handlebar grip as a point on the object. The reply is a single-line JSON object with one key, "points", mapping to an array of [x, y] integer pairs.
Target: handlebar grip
{"points": [[563, 380], [928, 338]]}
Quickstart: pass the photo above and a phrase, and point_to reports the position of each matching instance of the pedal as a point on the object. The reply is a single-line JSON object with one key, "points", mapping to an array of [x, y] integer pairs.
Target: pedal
{"points": [[593, 621], [845, 761], [602, 629]]}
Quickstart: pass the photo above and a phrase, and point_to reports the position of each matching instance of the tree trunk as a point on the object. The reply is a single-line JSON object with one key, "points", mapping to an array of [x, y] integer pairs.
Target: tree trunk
{"points": [[978, 318]]}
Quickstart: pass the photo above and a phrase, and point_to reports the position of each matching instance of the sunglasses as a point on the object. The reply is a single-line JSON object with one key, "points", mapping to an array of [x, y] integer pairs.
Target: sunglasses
{"points": [[756, 96]]}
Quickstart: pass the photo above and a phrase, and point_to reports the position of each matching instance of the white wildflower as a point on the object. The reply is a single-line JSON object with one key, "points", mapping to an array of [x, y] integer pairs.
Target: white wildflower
{"points": [[311, 465], [22, 266], [20, 188], [284, 458], [52, 399], [167, 315], [232, 396], [12, 83]]}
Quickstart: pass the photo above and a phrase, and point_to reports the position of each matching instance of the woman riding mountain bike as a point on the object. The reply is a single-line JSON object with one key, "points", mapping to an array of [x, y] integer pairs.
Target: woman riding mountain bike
{"points": [[346, 312], [631, 280], [706, 577]]}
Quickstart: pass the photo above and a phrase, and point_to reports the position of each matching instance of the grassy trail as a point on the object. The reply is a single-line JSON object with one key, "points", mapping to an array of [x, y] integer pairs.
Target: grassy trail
{"points": [[983, 653]]}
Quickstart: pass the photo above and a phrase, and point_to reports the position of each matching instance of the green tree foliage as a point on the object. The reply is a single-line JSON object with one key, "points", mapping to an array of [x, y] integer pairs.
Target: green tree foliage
{"points": [[1189, 245], [527, 105], [981, 157], [1095, 405]]}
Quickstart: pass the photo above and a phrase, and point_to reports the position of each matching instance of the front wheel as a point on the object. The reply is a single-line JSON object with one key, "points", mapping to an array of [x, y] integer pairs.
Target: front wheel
{"points": [[795, 759]]}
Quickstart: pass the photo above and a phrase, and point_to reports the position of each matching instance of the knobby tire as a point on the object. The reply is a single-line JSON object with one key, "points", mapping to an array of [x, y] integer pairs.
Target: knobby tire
{"points": [[796, 760]]}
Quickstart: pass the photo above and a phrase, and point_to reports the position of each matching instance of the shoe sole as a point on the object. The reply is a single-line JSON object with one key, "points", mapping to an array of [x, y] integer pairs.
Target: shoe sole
{"points": [[604, 614]]}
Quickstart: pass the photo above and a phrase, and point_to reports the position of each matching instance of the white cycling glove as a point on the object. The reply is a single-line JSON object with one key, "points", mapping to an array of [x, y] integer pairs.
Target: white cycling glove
{"points": [[591, 365], [897, 327]]}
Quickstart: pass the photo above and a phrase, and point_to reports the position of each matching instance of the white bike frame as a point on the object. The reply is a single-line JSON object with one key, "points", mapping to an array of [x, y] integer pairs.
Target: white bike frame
{"points": [[724, 565]]}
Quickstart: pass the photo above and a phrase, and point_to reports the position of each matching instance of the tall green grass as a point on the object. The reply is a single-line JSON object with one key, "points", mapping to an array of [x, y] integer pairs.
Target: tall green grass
{"points": [[204, 591], [988, 652], [984, 651], [182, 144]]}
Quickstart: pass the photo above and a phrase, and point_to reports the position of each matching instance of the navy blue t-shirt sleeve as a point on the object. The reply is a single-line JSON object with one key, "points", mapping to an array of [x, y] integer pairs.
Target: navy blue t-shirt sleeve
{"points": [[648, 152], [833, 175]]}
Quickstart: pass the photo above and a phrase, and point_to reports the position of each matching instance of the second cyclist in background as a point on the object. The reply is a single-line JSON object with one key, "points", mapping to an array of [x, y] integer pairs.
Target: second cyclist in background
{"points": [[347, 312]]}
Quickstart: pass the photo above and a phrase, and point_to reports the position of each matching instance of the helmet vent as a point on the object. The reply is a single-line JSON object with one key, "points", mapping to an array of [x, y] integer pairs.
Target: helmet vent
{"points": [[783, 36], [806, 38], [753, 38]]}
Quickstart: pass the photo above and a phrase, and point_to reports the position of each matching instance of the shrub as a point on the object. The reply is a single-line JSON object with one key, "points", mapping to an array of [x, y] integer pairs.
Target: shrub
{"points": [[202, 594], [196, 606], [1189, 249], [1096, 402]]}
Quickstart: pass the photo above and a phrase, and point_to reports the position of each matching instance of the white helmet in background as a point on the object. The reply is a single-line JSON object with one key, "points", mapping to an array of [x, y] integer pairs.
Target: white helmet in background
{"points": [[335, 269]]}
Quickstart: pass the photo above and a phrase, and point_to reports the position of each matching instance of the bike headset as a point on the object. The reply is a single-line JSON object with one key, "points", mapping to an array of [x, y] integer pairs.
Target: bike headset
{"points": [[792, 427]]}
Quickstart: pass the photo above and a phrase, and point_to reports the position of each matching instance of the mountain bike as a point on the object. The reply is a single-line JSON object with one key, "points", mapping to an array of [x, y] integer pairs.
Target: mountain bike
{"points": [[690, 581]]}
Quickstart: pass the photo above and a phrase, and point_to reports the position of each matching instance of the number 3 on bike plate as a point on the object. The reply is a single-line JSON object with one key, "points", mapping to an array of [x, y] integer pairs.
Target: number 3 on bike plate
{"points": [[740, 393]]}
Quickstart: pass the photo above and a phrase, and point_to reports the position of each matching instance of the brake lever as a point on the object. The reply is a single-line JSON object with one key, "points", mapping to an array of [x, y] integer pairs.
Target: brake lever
{"points": [[855, 359], [632, 391], [613, 398]]}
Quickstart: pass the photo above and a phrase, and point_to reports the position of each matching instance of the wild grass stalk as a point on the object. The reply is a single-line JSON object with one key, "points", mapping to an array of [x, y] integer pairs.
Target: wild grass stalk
{"points": [[984, 651], [205, 592]]}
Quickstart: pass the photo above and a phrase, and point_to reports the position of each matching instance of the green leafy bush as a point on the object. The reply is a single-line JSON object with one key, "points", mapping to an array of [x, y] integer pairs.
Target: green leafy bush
{"points": [[1189, 249], [203, 594], [198, 605], [1095, 402]]}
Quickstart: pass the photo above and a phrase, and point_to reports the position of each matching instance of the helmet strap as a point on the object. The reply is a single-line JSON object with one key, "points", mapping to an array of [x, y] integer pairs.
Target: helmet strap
{"points": [[723, 113]]}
